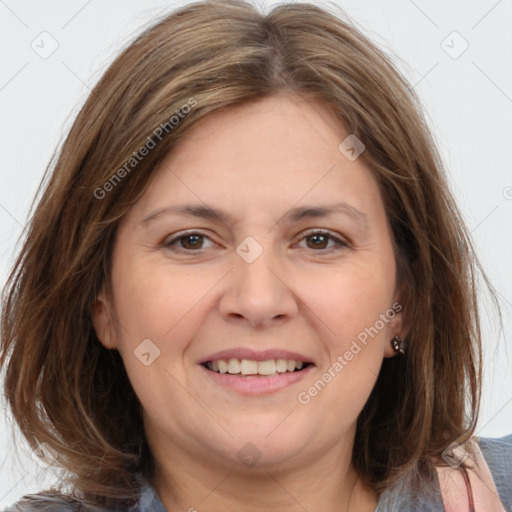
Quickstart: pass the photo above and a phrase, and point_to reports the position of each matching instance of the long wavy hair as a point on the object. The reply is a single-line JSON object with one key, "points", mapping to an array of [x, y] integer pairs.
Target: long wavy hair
{"points": [[65, 389]]}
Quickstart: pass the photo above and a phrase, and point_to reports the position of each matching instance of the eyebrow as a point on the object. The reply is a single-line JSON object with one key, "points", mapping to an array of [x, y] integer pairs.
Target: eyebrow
{"points": [[294, 215]]}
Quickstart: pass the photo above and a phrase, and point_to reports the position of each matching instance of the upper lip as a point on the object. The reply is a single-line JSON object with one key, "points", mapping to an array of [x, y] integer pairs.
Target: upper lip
{"points": [[255, 355]]}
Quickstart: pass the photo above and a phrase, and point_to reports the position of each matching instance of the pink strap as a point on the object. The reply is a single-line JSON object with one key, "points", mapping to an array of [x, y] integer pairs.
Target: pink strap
{"points": [[472, 490]]}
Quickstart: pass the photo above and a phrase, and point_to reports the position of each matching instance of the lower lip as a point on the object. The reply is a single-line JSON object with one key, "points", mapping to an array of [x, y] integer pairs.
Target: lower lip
{"points": [[257, 385]]}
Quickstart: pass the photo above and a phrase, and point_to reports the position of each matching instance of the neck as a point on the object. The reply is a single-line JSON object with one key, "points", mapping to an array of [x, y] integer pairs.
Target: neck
{"points": [[185, 482]]}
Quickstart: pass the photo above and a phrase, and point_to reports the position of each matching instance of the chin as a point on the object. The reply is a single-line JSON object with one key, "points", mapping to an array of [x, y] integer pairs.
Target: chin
{"points": [[263, 449]]}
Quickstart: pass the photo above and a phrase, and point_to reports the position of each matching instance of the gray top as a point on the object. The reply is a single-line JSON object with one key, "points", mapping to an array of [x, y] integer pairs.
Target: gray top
{"points": [[497, 454]]}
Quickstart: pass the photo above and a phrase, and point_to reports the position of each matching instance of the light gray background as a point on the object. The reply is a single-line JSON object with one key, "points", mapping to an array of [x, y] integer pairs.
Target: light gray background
{"points": [[468, 101]]}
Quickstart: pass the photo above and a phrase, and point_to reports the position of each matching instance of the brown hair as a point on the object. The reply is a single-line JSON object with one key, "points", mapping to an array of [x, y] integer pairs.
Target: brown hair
{"points": [[67, 390]]}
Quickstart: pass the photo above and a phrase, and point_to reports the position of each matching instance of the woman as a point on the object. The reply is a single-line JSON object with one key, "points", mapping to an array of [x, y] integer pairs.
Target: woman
{"points": [[246, 285]]}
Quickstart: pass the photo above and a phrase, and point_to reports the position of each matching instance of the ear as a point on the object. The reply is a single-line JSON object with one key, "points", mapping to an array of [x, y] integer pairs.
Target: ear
{"points": [[397, 326], [103, 322]]}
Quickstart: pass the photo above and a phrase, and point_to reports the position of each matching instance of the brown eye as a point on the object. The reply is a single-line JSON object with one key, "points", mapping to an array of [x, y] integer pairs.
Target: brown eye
{"points": [[188, 242], [320, 240], [191, 241]]}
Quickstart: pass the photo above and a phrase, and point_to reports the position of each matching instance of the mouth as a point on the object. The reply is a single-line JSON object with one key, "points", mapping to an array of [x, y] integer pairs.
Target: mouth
{"points": [[254, 374], [253, 368]]}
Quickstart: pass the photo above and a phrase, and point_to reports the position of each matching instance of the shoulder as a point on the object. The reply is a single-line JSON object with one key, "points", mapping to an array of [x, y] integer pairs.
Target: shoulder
{"points": [[53, 501], [45, 502], [498, 456], [408, 496]]}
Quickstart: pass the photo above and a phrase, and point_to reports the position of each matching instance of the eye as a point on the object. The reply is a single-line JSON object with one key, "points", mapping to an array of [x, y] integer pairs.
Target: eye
{"points": [[187, 242], [194, 241], [320, 239]]}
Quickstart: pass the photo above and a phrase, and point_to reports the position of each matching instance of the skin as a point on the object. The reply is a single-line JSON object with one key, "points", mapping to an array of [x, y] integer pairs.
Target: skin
{"points": [[256, 162]]}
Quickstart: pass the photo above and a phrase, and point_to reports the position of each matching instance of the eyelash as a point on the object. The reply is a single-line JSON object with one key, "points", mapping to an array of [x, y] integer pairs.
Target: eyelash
{"points": [[339, 242]]}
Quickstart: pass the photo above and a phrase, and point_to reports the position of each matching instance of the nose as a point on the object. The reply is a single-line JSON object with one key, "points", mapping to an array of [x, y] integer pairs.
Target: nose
{"points": [[259, 292]]}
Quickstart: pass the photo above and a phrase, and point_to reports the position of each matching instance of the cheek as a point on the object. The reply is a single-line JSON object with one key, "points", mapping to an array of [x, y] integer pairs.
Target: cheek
{"points": [[351, 300], [152, 299], [166, 305], [355, 306], [156, 309]]}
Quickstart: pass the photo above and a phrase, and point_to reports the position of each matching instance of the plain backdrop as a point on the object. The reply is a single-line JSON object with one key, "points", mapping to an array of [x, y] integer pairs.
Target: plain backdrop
{"points": [[456, 55]]}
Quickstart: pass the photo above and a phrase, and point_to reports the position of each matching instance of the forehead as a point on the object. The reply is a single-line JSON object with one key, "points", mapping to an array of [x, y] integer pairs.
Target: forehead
{"points": [[274, 153]]}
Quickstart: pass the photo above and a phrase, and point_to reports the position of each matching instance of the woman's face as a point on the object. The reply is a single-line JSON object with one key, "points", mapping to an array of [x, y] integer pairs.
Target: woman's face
{"points": [[258, 244]]}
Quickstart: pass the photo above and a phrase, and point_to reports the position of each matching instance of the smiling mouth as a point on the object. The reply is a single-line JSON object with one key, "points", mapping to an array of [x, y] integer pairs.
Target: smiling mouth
{"points": [[249, 367]]}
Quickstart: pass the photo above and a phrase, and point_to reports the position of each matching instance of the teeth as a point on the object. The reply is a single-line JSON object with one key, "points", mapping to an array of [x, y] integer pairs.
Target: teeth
{"points": [[234, 366], [250, 367], [281, 365], [267, 367]]}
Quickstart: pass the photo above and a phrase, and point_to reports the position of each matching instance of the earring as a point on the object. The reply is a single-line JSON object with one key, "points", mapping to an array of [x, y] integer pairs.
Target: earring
{"points": [[398, 345]]}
